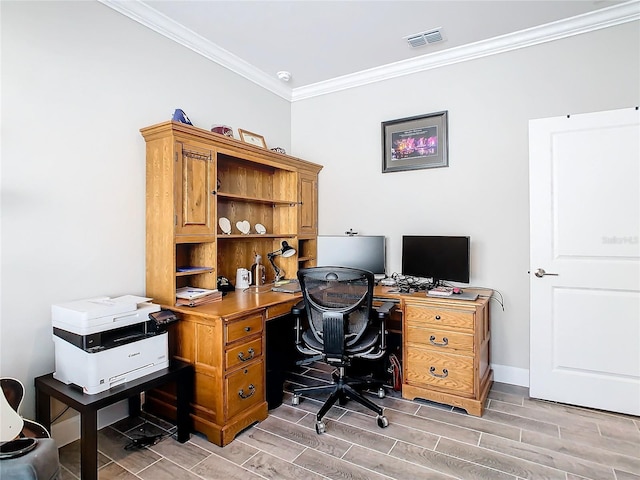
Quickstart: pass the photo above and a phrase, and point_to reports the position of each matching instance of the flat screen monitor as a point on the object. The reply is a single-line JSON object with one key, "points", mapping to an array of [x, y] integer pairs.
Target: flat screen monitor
{"points": [[366, 252], [437, 257]]}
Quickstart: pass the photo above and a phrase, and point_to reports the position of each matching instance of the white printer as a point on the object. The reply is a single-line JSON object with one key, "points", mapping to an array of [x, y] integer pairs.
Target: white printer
{"points": [[103, 342]]}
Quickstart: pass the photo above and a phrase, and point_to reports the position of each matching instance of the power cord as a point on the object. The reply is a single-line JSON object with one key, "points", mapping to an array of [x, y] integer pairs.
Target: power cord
{"points": [[409, 284]]}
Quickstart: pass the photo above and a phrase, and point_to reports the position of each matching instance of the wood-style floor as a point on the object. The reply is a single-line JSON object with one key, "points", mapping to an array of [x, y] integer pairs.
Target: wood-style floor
{"points": [[516, 438]]}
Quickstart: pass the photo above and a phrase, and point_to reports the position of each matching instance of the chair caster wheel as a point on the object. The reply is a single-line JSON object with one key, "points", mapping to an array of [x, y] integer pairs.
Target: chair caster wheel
{"points": [[320, 427], [295, 400], [383, 422], [381, 393]]}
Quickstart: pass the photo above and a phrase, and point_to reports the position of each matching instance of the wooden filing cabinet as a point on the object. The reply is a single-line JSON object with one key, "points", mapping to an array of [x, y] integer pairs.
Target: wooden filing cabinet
{"points": [[226, 343], [446, 351], [229, 387]]}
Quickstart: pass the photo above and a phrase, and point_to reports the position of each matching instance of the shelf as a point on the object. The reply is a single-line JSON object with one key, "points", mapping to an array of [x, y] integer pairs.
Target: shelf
{"points": [[266, 201], [305, 259], [239, 236], [194, 271]]}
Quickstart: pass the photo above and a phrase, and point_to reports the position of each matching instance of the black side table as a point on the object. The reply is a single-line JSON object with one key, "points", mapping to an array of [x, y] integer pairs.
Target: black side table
{"points": [[88, 406]]}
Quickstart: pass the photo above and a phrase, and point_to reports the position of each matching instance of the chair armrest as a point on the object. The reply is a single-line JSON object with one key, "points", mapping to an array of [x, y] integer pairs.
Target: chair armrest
{"points": [[384, 310], [298, 309]]}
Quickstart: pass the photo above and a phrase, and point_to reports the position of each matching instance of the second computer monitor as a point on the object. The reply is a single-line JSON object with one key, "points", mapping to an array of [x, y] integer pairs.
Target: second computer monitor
{"points": [[366, 252]]}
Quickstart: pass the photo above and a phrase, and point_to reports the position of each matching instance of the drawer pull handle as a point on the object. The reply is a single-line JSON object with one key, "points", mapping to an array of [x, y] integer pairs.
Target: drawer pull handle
{"points": [[247, 329], [242, 358], [445, 341], [252, 390], [445, 372], [438, 317]]}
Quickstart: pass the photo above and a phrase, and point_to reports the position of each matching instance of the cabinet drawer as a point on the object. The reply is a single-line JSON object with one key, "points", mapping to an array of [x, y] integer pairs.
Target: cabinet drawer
{"points": [[438, 317], [444, 340], [244, 327], [244, 353], [244, 388], [442, 370]]}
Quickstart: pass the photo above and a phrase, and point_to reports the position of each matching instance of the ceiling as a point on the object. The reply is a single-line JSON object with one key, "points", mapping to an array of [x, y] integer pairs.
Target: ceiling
{"points": [[328, 45]]}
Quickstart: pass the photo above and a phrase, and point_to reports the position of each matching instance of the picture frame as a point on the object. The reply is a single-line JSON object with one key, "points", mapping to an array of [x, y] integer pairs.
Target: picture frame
{"points": [[252, 138], [414, 143]]}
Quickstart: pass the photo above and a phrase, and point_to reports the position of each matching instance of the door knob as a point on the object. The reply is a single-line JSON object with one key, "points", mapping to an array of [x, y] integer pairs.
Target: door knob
{"points": [[541, 273]]}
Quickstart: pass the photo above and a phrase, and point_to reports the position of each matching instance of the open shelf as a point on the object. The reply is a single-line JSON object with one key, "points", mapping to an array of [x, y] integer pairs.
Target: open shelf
{"points": [[245, 198]]}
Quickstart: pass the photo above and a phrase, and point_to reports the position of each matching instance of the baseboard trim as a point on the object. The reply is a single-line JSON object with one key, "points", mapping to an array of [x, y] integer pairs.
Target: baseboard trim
{"points": [[511, 375], [68, 430]]}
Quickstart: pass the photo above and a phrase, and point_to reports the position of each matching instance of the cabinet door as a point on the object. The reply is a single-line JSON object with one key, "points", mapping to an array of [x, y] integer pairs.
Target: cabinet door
{"points": [[195, 177], [308, 218]]}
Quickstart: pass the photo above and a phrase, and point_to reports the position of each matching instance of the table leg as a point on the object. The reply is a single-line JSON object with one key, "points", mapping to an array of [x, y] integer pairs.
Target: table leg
{"points": [[184, 388], [43, 409], [89, 445], [134, 405]]}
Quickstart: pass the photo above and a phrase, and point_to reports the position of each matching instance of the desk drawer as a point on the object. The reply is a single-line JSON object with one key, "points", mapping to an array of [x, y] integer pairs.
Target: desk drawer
{"points": [[244, 327], [244, 388], [244, 353], [280, 309], [438, 317], [442, 340], [442, 370]]}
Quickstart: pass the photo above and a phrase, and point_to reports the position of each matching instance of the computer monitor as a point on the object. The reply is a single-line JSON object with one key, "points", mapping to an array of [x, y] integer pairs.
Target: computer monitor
{"points": [[366, 252], [440, 258]]}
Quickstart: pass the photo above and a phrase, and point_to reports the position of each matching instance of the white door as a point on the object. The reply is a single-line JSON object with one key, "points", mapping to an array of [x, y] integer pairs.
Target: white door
{"points": [[585, 229]]}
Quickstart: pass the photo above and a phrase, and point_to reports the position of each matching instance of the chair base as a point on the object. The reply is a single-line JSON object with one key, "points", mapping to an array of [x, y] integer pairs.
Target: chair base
{"points": [[343, 389]]}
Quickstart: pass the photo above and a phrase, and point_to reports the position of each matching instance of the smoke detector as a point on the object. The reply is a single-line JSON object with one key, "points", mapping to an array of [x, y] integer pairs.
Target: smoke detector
{"points": [[424, 38], [284, 75]]}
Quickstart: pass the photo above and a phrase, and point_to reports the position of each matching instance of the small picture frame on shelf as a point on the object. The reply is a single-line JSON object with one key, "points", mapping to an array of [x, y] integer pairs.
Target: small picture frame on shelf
{"points": [[252, 138]]}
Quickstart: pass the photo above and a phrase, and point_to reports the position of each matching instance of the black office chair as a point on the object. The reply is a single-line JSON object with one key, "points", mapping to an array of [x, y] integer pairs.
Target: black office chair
{"points": [[337, 323]]}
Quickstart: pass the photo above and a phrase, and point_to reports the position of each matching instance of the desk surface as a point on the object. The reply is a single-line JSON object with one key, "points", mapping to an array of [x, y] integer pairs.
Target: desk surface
{"points": [[240, 303]]}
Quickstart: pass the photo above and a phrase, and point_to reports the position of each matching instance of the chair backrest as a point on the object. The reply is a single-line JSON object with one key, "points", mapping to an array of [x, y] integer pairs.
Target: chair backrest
{"points": [[339, 303], [11, 396]]}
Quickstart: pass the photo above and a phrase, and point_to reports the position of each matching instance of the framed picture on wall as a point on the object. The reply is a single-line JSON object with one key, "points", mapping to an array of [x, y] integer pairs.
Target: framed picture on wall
{"points": [[415, 142]]}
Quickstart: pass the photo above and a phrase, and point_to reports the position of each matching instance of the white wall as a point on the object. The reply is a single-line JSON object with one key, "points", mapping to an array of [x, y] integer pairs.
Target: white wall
{"points": [[484, 192], [78, 82]]}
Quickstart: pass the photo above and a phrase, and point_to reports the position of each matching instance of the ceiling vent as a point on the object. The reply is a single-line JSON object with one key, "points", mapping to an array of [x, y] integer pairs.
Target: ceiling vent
{"points": [[424, 38]]}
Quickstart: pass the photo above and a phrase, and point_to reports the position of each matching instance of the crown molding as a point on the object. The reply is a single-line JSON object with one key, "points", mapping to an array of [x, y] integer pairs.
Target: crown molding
{"points": [[607, 17], [588, 22], [160, 23]]}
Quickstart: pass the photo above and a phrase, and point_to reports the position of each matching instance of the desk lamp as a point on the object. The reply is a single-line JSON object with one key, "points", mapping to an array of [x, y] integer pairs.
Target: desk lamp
{"points": [[286, 251]]}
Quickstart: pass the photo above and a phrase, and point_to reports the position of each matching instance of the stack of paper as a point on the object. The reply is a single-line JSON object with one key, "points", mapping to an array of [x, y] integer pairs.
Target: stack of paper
{"points": [[193, 296]]}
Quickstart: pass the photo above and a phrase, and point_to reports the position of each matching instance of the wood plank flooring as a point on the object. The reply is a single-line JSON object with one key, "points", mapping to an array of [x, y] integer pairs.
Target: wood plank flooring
{"points": [[517, 438]]}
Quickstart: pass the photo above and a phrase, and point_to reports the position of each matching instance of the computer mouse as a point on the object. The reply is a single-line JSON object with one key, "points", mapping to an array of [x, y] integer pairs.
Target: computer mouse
{"points": [[457, 290]]}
